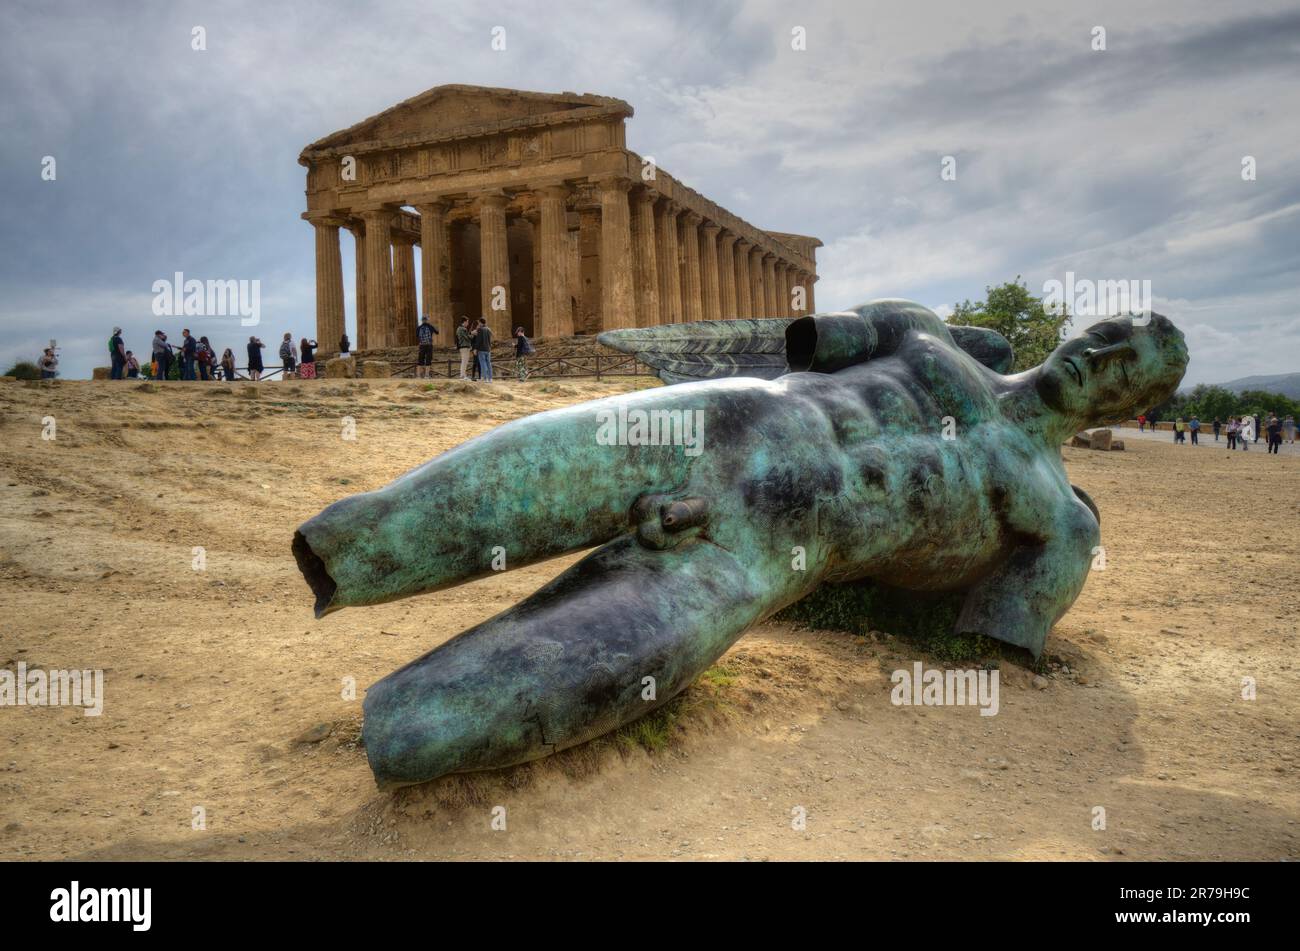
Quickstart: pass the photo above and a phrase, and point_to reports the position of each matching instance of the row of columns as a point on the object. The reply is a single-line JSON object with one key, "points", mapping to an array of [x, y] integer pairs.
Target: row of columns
{"points": [[659, 263], [688, 268]]}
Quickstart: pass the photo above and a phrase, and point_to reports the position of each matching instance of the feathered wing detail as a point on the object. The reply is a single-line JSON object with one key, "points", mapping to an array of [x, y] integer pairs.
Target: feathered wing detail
{"points": [[755, 347], [707, 349]]}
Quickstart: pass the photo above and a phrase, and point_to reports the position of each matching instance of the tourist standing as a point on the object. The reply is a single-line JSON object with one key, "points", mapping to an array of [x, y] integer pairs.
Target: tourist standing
{"points": [[189, 352], [483, 344], [475, 368], [1246, 435], [116, 354], [228, 365], [132, 366], [464, 346], [162, 355], [206, 358], [523, 347], [1274, 434], [1217, 426], [1257, 429], [49, 364], [1233, 428], [1142, 423], [1194, 427], [1288, 430], [255, 358], [288, 355], [307, 369], [1180, 430], [344, 345], [424, 337]]}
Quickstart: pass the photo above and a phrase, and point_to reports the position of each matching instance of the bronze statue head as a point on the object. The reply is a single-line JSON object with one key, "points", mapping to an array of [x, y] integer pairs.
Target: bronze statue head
{"points": [[1113, 367]]}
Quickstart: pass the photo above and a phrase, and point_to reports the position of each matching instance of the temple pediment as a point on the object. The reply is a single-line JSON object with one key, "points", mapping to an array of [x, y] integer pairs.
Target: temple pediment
{"points": [[456, 111]]}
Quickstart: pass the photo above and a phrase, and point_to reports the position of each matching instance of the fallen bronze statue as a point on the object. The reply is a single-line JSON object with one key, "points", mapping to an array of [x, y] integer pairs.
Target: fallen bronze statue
{"points": [[877, 443]]}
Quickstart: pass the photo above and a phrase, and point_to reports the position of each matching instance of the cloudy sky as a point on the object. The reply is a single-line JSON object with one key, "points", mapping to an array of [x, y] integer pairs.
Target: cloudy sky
{"points": [[1122, 163]]}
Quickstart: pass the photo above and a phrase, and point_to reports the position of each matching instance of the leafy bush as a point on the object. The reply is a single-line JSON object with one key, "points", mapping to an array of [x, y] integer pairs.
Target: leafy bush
{"points": [[24, 370]]}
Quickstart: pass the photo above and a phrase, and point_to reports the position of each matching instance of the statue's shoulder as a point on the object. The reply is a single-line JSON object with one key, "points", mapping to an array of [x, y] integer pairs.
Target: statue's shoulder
{"points": [[767, 348]]}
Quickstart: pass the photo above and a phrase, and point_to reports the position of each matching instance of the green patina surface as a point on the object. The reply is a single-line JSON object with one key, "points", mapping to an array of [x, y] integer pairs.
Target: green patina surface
{"points": [[900, 458]]}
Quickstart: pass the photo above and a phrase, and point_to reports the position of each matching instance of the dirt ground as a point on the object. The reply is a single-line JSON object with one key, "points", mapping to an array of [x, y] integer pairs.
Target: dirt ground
{"points": [[213, 677]]}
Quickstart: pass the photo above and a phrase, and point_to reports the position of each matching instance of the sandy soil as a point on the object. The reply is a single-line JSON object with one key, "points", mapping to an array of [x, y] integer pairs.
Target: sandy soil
{"points": [[212, 675]]}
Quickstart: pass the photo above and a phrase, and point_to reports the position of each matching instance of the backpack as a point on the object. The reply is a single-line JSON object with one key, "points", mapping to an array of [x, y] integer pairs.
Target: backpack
{"points": [[286, 351]]}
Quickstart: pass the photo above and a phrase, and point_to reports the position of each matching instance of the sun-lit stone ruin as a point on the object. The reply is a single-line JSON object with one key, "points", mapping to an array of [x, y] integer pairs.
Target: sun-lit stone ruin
{"points": [[528, 208]]}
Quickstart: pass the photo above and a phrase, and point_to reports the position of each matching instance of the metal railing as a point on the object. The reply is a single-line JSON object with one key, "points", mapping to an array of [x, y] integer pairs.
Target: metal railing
{"points": [[542, 367]]}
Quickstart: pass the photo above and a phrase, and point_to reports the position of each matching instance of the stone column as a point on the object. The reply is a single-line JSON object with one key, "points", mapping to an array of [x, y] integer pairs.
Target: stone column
{"points": [[588, 280], [329, 284], [494, 264], [435, 270], [646, 255], [405, 306], [617, 303], [809, 280], [692, 285], [769, 286], [556, 314], [709, 277], [379, 278], [744, 297], [782, 289], [358, 230], [727, 275], [756, 291], [670, 274], [795, 282]]}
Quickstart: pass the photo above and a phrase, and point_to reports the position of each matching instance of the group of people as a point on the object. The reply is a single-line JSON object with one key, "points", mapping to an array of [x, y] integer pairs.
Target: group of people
{"points": [[474, 343], [299, 358], [198, 359], [196, 355], [1240, 431]]}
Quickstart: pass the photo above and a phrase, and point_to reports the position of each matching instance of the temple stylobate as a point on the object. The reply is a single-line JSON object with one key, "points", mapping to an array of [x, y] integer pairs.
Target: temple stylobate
{"points": [[528, 209]]}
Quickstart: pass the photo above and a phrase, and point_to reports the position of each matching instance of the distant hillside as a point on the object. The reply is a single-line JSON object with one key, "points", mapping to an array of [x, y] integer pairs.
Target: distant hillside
{"points": [[1287, 384]]}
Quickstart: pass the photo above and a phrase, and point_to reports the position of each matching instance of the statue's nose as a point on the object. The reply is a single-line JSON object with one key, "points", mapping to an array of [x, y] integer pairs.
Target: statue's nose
{"points": [[1100, 356]]}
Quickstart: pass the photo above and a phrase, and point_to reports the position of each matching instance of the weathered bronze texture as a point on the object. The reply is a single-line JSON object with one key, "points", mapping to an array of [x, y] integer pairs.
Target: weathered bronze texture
{"points": [[902, 455]]}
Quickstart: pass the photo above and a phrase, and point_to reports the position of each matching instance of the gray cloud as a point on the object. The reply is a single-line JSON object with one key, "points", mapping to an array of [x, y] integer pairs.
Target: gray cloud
{"points": [[1118, 164]]}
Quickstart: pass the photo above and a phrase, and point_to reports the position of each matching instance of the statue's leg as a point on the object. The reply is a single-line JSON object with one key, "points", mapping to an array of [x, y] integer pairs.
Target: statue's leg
{"points": [[1030, 592], [526, 491], [613, 637]]}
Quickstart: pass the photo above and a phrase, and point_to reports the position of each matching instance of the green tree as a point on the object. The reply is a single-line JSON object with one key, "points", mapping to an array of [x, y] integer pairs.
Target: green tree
{"points": [[1214, 402], [1020, 317]]}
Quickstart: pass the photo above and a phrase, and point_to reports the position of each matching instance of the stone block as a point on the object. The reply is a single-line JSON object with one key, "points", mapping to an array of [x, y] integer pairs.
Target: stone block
{"points": [[340, 368]]}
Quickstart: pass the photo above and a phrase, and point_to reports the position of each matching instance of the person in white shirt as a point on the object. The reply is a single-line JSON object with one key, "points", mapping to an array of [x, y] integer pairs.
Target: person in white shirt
{"points": [[1247, 434]]}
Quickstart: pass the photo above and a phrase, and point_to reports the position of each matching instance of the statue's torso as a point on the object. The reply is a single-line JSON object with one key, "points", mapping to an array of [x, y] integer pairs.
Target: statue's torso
{"points": [[906, 468]]}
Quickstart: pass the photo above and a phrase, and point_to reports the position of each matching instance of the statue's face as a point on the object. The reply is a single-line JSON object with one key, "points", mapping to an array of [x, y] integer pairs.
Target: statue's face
{"points": [[1114, 368]]}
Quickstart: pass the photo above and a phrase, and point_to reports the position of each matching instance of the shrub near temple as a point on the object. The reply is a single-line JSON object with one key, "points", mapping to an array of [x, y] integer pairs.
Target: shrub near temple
{"points": [[24, 370]]}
